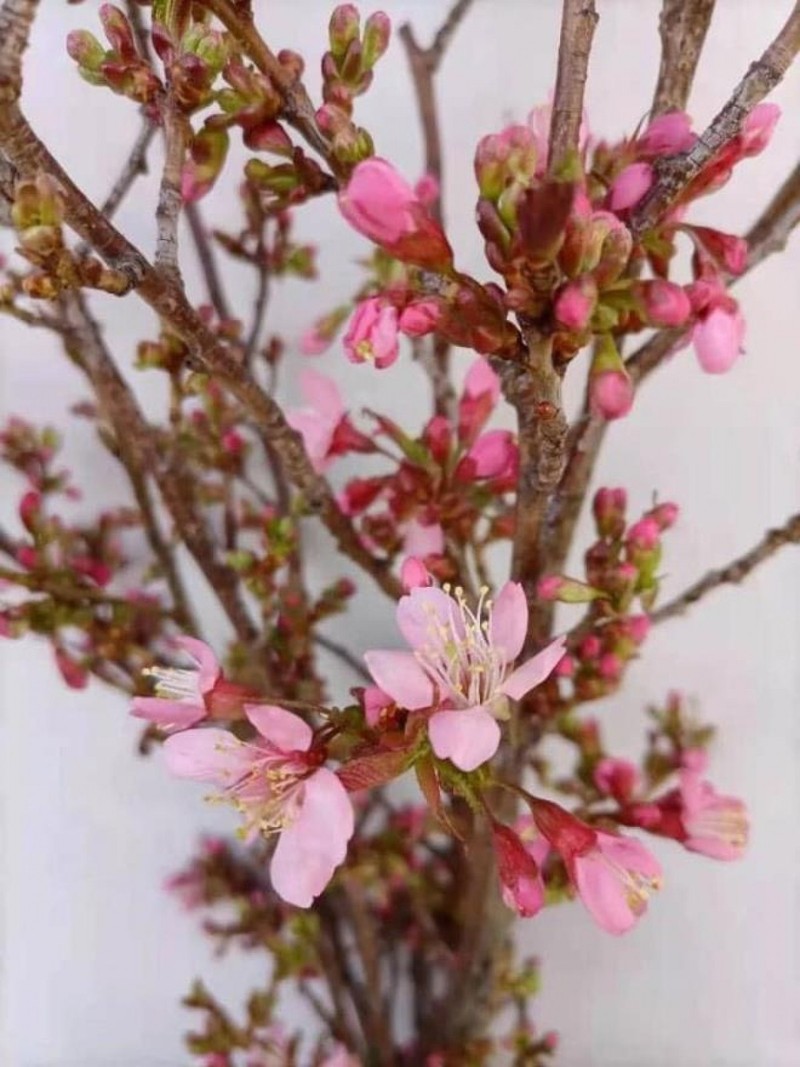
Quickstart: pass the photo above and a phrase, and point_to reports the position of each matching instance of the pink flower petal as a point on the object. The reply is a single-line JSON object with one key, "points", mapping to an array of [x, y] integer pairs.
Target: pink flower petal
{"points": [[534, 671], [313, 846], [509, 620], [322, 394], [425, 610], [482, 379], [399, 675], [423, 539], [467, 738], [718, 340], [209, 755], [205, 658], [167, 713], [283, 729]]}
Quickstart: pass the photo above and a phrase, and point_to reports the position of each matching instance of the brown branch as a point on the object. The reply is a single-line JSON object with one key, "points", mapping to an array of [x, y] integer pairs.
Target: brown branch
{"points": [[29, 155], [298, 108], [69, 592], [676, 172], [534, 389], [434, 353], [578, 22], [135, 165], [170, 199], [16, 21], [683, 27], [207, 260], [344, 654], [771, 232], [734, 572]]}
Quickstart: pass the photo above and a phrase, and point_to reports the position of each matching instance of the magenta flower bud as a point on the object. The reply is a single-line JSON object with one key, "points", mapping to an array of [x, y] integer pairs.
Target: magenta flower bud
{"points": [[377, 32], [610, 667], [382, 206], [629, 186], [549, 587], [372, 334], [438, 436], [717, 340], [758, 128], [493, 454], [232, 442], [575, 303], [611, 395], [609, 507], [637, 627], [590, 647], [665, 514], [644, 534], [269, 136], [550, 1040], [667, 135], [419, 318], [618, 778], [567, 590], [665, 303], [118, 31], [207, 154], [427, 190], [344, 27], [414, 574], [565, 668], [729, 251], [30, 509]]}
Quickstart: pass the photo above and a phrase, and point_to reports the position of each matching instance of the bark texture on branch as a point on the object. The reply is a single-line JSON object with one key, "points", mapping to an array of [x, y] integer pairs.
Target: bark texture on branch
{"points": [[683, 27], [578, 21], [16, 20], [676, 172]]}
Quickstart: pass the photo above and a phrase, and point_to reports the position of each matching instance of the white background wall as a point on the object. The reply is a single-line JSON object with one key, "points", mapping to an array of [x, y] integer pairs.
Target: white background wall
{"points": [[95, 957]]}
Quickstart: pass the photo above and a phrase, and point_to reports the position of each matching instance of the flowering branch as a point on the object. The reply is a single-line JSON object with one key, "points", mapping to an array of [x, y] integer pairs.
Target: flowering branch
{"points": [[683, 27], [676, 172], [735, 572]]}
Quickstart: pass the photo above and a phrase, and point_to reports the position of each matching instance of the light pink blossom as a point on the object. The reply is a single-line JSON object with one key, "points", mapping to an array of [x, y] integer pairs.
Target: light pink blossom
{"points": [[667, 135], [758, 128], [714, 825], [423, 539], [575, 304], [372, 334], [460, 666], [276, 783], [374, 702], [494, 454], [317, 420], [379, 202], [181, 694]]}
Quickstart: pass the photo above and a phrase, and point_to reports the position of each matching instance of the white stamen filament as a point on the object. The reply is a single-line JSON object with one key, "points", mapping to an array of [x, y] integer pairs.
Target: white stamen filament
{"points": [[176, 683]]}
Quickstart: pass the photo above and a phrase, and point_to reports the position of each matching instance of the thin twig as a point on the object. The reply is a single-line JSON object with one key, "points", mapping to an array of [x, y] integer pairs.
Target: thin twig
{"points": [[135, 164], [674, 173], [683, 27], [170, 200], [734, 572], [578, 22], [207, 260], [344, 654]]}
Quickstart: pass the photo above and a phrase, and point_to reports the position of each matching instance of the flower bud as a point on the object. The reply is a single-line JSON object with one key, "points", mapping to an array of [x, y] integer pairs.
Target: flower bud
{"points": [[414, 574], [665, 303], [608, 508], [377, 31], [610, 388], [343, 28], [567, 590], [575, 303], [630, 186]]}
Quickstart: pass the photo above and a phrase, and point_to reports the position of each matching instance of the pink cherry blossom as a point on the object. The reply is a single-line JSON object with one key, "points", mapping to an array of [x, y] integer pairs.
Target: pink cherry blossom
{"points": [[414, 573], [618, 778], [372, 334], [629, 186], [317, 421], [717, 339], [758, 128], [714, 825], [665, 303], [481, 380], [614, 875], [460, 666], [180, 699], [374, 702], [275, 781]]}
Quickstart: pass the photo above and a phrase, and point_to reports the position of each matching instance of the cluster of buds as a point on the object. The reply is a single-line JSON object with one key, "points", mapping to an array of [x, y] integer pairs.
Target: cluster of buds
{"points": [[347, 72], [193, 55], [266, 241], [38, 215], [120, 67], [621, 567], [447, 481]]}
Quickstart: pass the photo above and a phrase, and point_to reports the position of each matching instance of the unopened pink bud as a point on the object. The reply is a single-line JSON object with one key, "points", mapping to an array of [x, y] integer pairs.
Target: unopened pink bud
{"points": [[666, 514], [419, 318], [644, 534], [550, 1040], [717, 340], [575, 304], [493, 454], [427, 190], [610, 667], [590, 647], [372, 334], [232, 442], [611, 394], [637, 628], [565, 668], [549, 587], [667, 135], [609, 507], [630, 186], [377, 32], [414, 574], [30, 508], [616, 777], [666, 304]]}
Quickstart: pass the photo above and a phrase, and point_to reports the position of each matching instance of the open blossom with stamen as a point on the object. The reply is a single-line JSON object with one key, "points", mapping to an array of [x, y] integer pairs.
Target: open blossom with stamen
{"points": [[461, 665], [181, 694], [614, 875], [715, 825], [277, 785]]}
